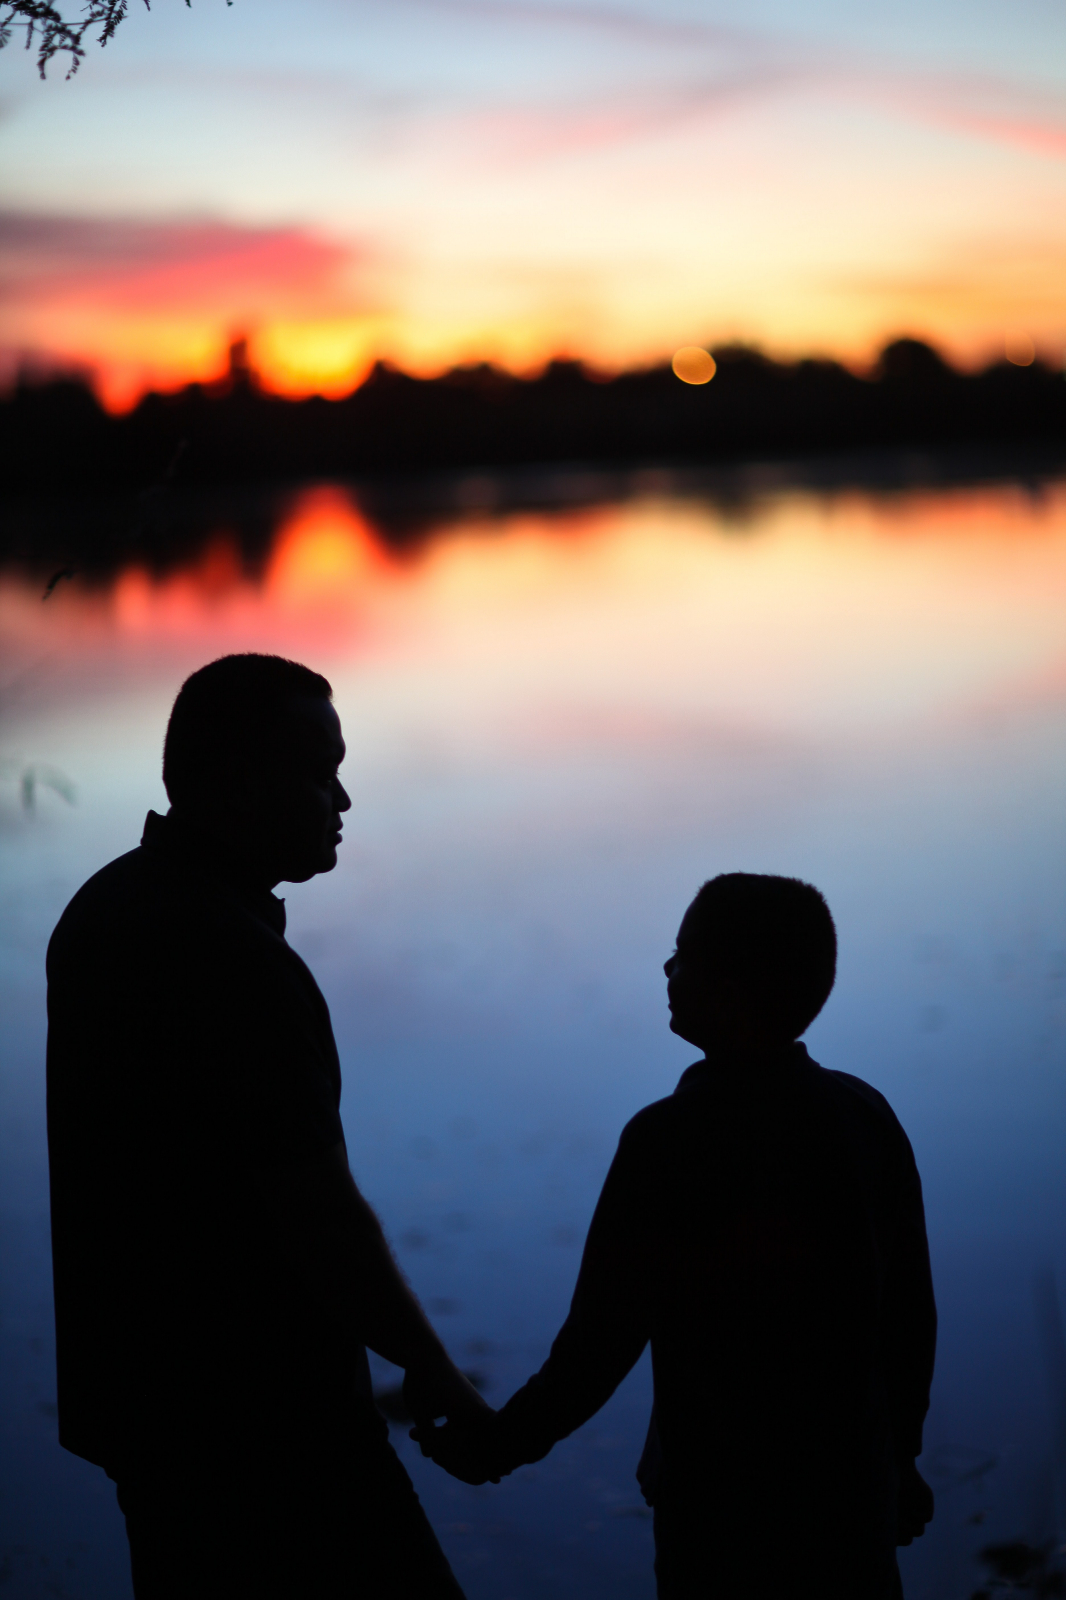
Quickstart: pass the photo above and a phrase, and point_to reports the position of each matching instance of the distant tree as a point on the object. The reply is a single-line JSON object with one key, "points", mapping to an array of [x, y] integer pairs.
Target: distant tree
{"points": [[54, 35]]}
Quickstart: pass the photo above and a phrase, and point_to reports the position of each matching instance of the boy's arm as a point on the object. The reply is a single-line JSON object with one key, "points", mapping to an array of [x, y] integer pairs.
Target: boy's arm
{"points": [[910, 1346], [601, 1339], [607, 1328]]}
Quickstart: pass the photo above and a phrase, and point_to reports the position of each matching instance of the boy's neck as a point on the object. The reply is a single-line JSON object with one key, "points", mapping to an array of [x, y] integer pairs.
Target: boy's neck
{"points": [[749, 1054]]}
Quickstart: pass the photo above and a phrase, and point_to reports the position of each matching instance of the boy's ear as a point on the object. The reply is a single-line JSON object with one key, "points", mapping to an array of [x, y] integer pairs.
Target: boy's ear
{"points": [[726, 994]]}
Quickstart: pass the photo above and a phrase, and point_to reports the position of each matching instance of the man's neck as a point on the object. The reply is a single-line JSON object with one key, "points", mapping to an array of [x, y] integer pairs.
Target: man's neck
{"points": [[222, 856]]}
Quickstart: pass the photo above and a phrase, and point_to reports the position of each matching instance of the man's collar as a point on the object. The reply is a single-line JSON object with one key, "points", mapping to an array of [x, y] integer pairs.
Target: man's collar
{"points": [[171, 837]]}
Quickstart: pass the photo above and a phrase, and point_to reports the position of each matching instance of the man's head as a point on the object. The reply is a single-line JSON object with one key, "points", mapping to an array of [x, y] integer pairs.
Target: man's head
{"points": [[754, 964], [250, 760]]}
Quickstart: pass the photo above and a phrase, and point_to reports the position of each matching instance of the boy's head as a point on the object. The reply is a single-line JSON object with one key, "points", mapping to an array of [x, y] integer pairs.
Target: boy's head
{"points": [[754, 964]]}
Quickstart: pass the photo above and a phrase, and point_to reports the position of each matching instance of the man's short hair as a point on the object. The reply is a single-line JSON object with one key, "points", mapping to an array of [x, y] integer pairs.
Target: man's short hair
{"points": [[774, 938], [225, 710]]}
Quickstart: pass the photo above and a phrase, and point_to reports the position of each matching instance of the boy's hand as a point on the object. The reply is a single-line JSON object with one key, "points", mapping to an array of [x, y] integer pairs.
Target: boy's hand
{"points": [[462, 1448], [914, 1505]]}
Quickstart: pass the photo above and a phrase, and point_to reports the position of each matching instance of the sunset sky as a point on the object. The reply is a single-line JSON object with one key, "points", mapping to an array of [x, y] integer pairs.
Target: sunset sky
{"points": [[444, 180]]}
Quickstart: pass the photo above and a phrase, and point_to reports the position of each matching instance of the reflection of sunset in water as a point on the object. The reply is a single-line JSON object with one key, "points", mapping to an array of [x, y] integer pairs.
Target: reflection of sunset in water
{"points": [[559, 723], [841, 610], [325, 555], [179, 603]]}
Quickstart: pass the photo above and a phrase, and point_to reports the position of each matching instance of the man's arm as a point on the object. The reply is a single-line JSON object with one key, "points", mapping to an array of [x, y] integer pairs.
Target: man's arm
{"points": [[351, 1258]]}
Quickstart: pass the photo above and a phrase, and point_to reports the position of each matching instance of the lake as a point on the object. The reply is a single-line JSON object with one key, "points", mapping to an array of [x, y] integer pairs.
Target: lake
{"points": [[559, 723]]}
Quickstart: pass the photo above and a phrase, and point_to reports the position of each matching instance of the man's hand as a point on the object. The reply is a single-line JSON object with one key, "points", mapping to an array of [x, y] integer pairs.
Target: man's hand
{"points": [[464, 1449], [914, 1505], [436, 1388]]}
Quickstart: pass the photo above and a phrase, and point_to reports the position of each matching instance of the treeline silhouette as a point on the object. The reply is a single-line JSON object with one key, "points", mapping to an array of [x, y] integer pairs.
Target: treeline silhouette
{"points": [[56, 436], [83, 491]]}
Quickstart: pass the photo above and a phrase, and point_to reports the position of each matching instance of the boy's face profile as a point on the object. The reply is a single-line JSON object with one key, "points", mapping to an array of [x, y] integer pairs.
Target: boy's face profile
{"points": [[695, 1006], [708, 1007]]}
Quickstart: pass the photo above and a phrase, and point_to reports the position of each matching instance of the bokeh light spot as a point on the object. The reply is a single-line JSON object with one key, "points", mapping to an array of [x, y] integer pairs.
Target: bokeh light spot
{"points": [[693, 364], [1019, 349]]}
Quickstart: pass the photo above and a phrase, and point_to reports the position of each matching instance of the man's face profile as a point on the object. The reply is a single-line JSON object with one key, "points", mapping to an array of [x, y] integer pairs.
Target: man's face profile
{"points": [[297, 799]]}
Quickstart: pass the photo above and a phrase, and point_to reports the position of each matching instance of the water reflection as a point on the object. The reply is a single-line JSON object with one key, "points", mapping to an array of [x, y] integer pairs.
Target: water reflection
{"points": [[559, 722]]}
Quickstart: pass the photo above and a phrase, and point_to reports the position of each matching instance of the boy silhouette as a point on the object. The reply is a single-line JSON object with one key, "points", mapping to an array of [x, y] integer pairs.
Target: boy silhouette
{"points": [[763, 1228], [217, 1272]]}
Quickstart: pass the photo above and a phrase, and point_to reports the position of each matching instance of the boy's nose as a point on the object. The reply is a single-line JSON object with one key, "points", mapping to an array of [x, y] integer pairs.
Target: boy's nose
{"points": [[669, 964]]}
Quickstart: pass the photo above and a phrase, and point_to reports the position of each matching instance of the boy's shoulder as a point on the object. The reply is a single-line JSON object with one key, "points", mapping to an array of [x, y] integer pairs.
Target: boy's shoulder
{"points": [[703, 1089], [847, 1088]]}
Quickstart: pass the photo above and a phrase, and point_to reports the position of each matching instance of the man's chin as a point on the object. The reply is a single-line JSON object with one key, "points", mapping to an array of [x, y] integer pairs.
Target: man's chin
{"points": [[305, 871]]}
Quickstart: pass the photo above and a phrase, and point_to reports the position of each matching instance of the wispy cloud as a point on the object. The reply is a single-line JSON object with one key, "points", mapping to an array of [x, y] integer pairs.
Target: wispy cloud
{"points": [[621, 22], [1002, 110], [186, 264], [690, 69]]}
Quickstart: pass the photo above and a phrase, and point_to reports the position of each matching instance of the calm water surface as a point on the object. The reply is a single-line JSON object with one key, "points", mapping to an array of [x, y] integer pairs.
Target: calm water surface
{"points": [[558, 726]]}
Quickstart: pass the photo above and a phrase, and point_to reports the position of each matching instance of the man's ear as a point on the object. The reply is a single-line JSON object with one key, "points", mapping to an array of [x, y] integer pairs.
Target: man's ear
{"points": [[239, 791]]}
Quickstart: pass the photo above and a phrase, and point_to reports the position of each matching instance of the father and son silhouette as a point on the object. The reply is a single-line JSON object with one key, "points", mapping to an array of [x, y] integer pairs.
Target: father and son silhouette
{"points": [[218, 1274]]}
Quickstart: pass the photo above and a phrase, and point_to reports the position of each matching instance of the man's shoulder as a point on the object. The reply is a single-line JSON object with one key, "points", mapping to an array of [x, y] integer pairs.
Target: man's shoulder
{"points": [[153, 905], [103, 898]]}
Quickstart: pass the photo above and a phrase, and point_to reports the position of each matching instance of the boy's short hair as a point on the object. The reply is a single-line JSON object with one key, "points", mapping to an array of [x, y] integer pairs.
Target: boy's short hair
{"points": [[228, 708], [774, 938]]}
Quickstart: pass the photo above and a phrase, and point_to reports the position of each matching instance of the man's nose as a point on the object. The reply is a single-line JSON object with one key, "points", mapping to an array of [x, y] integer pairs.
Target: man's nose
{"points": [[341, 799], [669, 964]]}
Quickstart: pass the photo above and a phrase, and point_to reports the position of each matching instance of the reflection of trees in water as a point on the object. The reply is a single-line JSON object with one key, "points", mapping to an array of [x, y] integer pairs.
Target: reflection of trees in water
{"points": [[34, 775], [31, 776], [95, 532]]}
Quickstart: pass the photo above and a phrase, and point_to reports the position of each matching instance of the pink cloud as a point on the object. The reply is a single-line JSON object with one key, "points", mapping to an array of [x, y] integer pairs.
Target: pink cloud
{"points": [[184, 265]]}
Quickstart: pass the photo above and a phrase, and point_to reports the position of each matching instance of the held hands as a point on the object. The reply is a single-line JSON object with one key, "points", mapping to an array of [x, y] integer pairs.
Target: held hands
{"points": [[465, 1449], [436, 1388], [463, 1446]]}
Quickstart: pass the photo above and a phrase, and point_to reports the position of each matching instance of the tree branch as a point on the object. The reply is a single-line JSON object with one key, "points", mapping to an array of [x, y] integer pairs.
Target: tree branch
{"points": [[54, 34]]}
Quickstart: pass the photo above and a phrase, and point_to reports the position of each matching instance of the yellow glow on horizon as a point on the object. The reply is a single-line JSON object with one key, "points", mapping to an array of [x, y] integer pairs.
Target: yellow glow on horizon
{"points": [[329, 358]]}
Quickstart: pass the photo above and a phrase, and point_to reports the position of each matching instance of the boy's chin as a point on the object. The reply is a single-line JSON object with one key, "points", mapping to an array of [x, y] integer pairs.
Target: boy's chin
{"points": [[683, 1031]]}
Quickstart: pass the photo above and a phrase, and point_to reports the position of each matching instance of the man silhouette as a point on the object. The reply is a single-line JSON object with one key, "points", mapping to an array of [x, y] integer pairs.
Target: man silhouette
{"points": [[763, 1228], [217, 1272]]}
